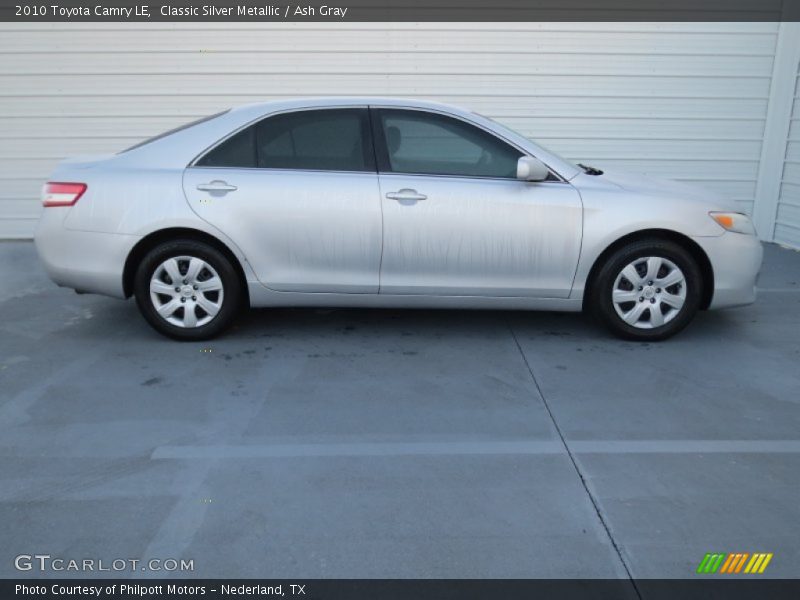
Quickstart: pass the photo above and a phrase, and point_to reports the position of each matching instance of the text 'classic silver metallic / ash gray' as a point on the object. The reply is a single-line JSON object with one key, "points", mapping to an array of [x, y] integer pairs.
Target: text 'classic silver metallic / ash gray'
{"points": [[387, 203]]}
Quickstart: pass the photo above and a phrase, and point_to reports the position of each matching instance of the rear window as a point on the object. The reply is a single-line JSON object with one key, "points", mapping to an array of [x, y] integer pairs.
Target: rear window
{"points": [[326, 140], [176, 130], [322, 140], [238, 150]]}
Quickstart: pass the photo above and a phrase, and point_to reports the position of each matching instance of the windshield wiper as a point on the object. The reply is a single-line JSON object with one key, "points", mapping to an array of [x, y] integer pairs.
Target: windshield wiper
{"points": [[590, 170]]}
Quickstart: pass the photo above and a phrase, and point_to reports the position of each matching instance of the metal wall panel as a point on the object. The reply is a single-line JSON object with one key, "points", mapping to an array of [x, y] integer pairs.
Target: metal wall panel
{"points": [[681, 100], [787, 220]]}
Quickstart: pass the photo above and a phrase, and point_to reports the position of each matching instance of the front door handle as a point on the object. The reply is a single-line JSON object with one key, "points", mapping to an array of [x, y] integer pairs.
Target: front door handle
{"points": [[216, 186], [406, 194]]}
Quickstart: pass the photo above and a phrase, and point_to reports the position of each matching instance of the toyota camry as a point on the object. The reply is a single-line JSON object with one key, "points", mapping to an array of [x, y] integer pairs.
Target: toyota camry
{"points": [[377, 202]]}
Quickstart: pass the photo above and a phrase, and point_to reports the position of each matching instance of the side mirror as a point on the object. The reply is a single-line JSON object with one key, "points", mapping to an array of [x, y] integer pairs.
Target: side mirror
{"points": [[531, 169]]}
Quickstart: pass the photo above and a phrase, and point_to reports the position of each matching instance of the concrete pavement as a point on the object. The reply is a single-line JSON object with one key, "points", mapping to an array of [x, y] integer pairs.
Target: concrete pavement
{"points": [[377, 443]]}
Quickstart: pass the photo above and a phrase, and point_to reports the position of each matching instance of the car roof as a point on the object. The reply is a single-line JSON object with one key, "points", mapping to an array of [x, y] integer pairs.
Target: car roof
{"points": [[315, 101], [347, 100]]}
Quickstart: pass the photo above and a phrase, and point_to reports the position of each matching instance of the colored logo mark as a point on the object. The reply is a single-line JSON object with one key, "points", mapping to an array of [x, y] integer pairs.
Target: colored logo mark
{"points": [[735, 562]]}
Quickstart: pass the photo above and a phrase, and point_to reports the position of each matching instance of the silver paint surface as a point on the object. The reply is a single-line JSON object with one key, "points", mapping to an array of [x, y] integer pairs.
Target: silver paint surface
{"points": [[333, 238]]}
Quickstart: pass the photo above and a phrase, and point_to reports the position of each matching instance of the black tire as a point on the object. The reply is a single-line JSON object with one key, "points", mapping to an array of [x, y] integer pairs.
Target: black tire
{"points": [[230, 301], [600, 295]]}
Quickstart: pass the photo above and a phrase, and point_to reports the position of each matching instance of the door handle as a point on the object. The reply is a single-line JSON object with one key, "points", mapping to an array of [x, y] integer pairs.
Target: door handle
{"points": [[216, 186], [406, 194]]}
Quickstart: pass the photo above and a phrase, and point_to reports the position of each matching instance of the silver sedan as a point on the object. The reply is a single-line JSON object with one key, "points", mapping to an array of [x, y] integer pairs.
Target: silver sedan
{"points": [[386, 203]]}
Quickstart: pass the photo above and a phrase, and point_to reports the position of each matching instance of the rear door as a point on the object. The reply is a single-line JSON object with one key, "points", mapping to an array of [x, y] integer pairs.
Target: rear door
{"points": [[298, 193]]}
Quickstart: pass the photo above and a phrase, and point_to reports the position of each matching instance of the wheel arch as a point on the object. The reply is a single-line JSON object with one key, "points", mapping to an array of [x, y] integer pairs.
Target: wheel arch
{"points": [[687, 243], [155, 238]]}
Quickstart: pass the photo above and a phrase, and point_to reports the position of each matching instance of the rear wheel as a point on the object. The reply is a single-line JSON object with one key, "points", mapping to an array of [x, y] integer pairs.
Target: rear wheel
{"points": [[187, 290], [647, 290]]}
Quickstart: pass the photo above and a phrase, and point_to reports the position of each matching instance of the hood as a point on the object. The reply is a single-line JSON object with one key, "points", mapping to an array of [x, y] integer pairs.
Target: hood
{"points": [[655, 186]]}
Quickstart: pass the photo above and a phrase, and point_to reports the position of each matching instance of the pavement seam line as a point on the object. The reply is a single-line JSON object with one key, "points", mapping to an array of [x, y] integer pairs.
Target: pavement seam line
{"points": [[574, 462]]}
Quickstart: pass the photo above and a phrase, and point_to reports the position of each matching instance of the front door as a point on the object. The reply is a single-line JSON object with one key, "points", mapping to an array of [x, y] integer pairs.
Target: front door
{"points": [[457, 221]]}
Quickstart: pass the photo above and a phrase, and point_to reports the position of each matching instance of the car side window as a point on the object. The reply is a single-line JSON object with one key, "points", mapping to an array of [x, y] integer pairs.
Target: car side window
{"points": [[426, 143], [328, 140], [325, 140], [238, 150]]}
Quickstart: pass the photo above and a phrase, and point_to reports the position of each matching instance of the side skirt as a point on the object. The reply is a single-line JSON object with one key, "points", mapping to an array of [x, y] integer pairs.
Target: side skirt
{"points": [[261, 296]]}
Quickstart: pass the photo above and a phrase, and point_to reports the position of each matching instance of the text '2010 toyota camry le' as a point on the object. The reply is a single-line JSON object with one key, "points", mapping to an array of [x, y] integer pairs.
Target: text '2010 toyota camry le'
{"points": [[386, 203]]}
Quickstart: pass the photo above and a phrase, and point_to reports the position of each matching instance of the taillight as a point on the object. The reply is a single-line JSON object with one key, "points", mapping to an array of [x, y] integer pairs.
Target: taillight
{"points": [[62, 194]]}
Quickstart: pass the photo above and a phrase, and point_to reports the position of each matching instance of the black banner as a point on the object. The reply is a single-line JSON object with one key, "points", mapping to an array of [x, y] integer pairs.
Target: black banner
{"points": [[732, 588], [33, 11]]}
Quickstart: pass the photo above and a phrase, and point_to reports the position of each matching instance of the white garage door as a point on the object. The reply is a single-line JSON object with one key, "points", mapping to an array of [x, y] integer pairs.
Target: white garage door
{"points": [[787, 221], [686, 101]]}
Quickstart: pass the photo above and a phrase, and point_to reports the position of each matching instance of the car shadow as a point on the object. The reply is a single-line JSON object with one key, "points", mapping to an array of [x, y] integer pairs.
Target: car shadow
{"points": [[123, 318]]}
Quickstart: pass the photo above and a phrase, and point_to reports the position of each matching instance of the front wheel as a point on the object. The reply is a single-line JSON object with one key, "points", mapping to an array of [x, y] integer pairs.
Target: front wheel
{"points": [[187, 290], [647, 290]]}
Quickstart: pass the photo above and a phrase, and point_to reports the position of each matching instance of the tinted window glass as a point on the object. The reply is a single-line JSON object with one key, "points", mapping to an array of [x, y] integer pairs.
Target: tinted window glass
{"points": [[327, 140], [431, 144], [236, 151]]}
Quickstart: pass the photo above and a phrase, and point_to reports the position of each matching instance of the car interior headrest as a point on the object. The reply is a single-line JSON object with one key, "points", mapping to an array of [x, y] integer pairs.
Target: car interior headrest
{"points": [[393, 138]]}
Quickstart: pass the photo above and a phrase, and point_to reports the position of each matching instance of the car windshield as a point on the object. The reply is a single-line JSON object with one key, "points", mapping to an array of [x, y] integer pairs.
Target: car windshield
{"points": [[175, 130]]}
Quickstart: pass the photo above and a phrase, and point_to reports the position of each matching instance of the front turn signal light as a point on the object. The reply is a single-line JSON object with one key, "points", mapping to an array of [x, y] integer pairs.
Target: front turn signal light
{"points": [[732, 221]]}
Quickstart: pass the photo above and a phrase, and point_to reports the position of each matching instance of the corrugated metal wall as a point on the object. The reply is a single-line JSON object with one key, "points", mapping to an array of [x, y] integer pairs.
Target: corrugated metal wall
{"points": [[686, 101], [787, 221]]}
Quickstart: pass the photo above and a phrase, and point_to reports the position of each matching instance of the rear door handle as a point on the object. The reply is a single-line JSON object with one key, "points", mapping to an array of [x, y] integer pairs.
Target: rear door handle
{"points": [[216, 186], [406, 194]]}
